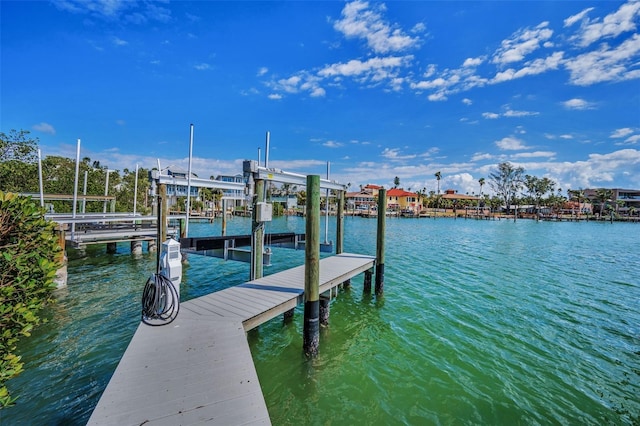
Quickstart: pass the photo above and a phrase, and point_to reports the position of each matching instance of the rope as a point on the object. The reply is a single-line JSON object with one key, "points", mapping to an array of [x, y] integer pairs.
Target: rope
{"points": [[160, 301]]}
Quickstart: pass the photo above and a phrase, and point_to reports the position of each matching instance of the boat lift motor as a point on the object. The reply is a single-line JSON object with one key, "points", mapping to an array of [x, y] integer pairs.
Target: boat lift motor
{"points": [[171, 262]]}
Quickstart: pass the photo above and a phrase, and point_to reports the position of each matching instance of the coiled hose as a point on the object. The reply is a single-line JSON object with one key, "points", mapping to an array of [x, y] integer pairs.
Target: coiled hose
{"points": [[160, 301]]}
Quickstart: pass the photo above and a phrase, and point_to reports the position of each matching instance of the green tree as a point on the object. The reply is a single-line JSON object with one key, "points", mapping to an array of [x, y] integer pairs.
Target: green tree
{"points": [[396, 182], [18, 162], [537, 188], [603, 198], [578, 195], [28, 264], [507, 182]]}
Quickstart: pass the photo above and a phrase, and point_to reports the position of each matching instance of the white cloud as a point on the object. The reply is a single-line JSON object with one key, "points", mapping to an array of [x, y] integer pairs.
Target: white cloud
{"points": [[394, 154], [262, 71], [119, 42], [120, 10], [332, 144], [510, 144], [537, 66], [614, 24], [490, 115], [577, 103], [44, 128], [606, 64], [512, 113], [467, 101], [359, 20], [522, 43], [621, 133], [535, 154], [472, 62], [577, 17], [275, 96], [202, 67], [374, 68], [632, 140]]}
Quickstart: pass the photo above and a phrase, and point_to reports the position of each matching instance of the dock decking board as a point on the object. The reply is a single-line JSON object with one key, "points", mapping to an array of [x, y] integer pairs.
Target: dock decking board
{"points": [[199, 368]]}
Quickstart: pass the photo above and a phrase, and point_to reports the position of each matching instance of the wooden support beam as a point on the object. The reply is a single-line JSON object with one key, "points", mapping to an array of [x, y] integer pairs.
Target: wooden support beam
{"points": [[311, 332], [382, 210]]}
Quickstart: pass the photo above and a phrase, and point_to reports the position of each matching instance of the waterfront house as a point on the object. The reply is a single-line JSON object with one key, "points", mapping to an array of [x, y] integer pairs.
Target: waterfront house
{"points": [[365, 199], [401, 200]]}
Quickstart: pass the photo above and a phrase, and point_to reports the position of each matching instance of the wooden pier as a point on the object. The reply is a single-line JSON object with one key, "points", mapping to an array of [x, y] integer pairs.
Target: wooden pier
{"points": [[199, 368]]}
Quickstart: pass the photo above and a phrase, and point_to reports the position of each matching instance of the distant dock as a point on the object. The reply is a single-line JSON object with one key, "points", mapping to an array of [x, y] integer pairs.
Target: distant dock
{"points": [[199, 368]]}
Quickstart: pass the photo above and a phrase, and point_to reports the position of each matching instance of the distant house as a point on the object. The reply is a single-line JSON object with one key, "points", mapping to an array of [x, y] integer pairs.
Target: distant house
{"points": [[175, 191], [629, 199], [364, 199], [401, 200], [237, 196], [451, 194]]}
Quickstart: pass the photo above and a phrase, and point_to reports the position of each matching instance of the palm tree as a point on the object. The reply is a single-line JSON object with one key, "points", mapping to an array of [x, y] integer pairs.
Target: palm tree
{"points": [[481, 182], [602, 197], [438, 176]]}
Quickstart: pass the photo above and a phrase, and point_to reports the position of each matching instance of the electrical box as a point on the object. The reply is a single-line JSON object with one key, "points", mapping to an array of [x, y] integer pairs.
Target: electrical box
{"points": [[264, 212], [171, 262]]}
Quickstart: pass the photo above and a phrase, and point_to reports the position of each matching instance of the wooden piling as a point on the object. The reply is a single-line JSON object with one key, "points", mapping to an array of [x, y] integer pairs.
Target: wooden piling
{"points": [[311, 332], [61, 274], [224, 217], [325, 303], [340, 230], [164, 208], [366, 285], [257, 234], [382, 208], [136, 247], [112, 248], [288, 316]]}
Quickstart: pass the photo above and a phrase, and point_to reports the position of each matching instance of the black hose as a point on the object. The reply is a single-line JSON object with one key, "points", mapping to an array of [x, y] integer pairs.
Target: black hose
{"points": [[160, 301]]}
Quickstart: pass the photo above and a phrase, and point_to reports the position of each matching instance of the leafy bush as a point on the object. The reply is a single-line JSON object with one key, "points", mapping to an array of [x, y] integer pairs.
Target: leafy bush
{"points": [[28, 263]]}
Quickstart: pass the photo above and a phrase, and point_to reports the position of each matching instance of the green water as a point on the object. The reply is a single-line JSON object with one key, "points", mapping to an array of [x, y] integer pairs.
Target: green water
{"points": [[482, 322]]}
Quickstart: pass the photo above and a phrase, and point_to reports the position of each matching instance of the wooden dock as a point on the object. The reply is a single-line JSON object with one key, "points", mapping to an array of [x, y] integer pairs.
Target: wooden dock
{"points": [[199, 368]]}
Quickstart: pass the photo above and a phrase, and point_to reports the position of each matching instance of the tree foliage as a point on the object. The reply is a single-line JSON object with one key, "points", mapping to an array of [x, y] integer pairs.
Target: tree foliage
{"points": [[28, 253], [507, 182], [18, 162]]}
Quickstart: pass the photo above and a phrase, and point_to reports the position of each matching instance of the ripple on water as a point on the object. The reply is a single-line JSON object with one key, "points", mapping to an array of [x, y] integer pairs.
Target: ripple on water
{"points": [[482, 322]]}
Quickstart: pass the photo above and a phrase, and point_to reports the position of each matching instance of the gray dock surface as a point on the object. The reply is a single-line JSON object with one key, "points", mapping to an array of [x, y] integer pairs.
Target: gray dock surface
{"points": [[199, 368]]}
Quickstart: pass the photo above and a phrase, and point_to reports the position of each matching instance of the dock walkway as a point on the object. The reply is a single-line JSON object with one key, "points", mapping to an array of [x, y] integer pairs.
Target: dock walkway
{"points": [[199, 368]]}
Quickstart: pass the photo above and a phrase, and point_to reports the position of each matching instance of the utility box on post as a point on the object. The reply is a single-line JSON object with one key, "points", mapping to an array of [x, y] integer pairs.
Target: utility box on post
{"points": [[171, 262], [264, 212]]}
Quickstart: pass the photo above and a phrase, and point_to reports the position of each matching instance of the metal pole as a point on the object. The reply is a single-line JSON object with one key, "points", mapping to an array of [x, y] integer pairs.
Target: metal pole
{"points": [[266, 154], [186, 225], [75, 191], [84, 192], [135, 192], [311, 332], [162, 195], [40, 178], [106, 192], [382, 209], [326, 216]]}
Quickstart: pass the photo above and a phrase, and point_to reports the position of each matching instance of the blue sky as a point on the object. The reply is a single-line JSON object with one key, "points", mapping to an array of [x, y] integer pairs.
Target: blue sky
{"points": [[378, 89]]}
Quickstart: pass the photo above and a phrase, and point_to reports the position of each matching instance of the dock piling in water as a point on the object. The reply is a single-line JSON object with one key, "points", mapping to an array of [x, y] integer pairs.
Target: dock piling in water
{"points": [[311, 331], [382, 208]]}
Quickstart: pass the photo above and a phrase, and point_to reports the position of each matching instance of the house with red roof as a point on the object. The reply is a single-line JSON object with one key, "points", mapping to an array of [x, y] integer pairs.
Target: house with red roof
{"points": [[400, 200]]}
